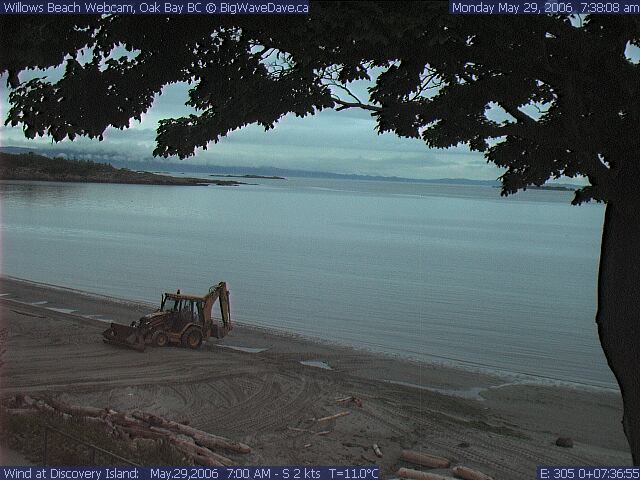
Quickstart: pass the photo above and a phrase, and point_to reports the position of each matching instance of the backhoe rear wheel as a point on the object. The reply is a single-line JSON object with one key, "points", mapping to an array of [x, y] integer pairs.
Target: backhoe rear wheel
{"points": [[192, 338], [159, 339]]}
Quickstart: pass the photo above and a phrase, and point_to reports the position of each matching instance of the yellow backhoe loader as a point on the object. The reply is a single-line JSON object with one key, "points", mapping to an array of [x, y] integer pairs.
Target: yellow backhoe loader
{"points": [[184, 320]]}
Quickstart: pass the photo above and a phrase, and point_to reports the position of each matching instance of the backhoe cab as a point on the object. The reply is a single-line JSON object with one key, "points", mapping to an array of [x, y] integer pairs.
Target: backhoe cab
{"points": [[182, 319]]}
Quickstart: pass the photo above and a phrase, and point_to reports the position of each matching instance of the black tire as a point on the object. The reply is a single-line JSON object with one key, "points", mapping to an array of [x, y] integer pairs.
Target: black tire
{"points": [[192, 338], [159, 339]]}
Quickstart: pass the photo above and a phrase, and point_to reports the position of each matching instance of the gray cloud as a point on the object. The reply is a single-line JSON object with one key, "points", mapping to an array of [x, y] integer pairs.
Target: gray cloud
{"points": [[340, 142]]}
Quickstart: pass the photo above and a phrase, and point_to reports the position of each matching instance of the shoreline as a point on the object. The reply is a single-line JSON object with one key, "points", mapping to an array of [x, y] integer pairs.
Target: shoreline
{"points": [[256, 383], [493, 375], [162, 181]]}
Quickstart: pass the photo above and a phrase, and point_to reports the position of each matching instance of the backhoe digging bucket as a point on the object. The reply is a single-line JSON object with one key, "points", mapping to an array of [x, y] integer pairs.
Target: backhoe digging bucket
{"points": [[219, 331], [125, 336]]}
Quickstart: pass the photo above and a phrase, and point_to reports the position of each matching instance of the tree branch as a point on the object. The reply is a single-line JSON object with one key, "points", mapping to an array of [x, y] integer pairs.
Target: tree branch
{"points": [[344, 105], [518, 114], [513, 111], [346, 90]]}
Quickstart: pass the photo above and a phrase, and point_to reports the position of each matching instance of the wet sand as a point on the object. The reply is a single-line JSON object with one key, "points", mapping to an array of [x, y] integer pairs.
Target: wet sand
{"points": [[253, 387]]}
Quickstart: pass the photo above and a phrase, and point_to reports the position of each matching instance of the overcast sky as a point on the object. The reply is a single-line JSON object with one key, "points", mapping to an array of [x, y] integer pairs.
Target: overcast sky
{"points": [[339, 142]]}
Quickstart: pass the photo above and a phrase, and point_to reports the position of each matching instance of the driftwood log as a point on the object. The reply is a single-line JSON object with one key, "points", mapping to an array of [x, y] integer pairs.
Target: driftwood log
{"points": [[201, 438], [332, 417], [197, 452], [193, 443], [138, 432], [76, 410], [425, 459], [469, 474], [377, 450], [27, 401], [296, 429]]}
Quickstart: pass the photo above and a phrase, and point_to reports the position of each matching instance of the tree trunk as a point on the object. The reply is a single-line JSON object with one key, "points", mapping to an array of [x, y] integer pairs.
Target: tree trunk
{"points": [[618, 316]]}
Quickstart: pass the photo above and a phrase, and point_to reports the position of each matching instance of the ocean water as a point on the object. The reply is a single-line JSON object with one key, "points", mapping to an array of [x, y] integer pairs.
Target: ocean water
{"points": [[440, 273]]}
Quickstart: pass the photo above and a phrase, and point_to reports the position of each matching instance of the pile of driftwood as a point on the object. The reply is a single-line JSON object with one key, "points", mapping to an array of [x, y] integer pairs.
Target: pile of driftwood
{"points": [[433, 461], [195, 444]]}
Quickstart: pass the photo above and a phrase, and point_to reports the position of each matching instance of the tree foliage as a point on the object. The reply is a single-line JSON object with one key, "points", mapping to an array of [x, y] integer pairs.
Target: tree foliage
{"points": [[567, 92]]}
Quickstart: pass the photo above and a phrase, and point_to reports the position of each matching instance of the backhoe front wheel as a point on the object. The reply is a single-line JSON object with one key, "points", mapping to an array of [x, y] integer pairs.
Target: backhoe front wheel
{"points": [[159, 339], [192, 338]]}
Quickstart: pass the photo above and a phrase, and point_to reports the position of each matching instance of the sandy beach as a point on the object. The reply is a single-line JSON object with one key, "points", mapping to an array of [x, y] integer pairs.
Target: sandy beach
{"points": [[263, 387]]}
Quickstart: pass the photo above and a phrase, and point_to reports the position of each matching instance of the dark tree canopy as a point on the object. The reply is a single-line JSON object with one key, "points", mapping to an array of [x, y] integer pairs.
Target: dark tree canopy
{"points": [[435, 75]]}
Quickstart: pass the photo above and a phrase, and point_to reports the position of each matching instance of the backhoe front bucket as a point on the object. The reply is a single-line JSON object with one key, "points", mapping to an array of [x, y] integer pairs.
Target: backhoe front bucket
{"points": [[125, 336]]}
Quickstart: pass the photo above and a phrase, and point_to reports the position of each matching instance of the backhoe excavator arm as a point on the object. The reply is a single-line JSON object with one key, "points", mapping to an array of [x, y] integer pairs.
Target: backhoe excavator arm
{"points": [[221, 293]]}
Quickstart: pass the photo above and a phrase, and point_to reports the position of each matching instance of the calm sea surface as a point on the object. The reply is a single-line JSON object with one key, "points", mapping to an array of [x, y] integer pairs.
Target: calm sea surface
{"points": [[433, 272]]}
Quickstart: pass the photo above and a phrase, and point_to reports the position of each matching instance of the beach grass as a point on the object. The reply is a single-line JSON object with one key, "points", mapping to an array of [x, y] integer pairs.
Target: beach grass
{"points": [[25, 433]]}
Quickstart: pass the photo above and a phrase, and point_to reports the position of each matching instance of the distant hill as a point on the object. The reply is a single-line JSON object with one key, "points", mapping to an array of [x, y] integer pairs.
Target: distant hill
{"points": [[251, 172], [29, 166], [18, 150], [275, 172], [271, 177]]}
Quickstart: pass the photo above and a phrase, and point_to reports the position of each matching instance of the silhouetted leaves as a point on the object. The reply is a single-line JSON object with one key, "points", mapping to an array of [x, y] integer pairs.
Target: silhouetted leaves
{"points": [[568, 95]]}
